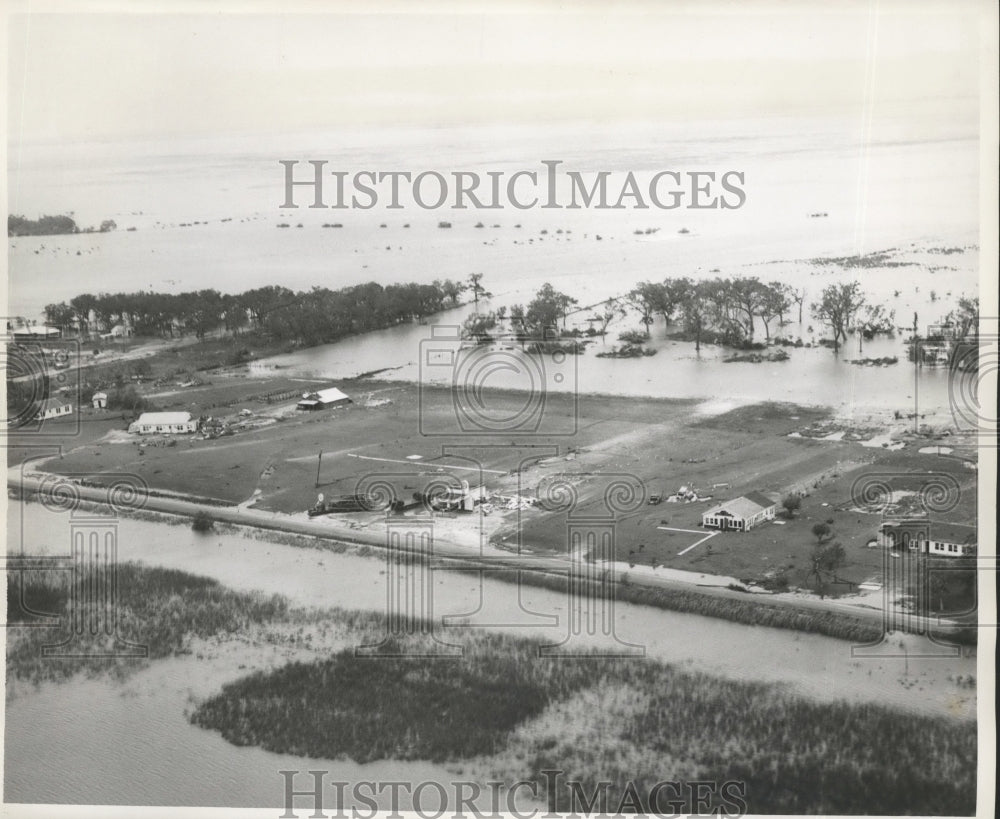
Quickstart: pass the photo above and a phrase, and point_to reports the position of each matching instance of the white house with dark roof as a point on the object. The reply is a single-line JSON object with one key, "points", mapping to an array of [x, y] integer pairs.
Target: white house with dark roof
{"points": [[43, 333], [53, 408], [952, 540], [929, 537], [740, 514]]}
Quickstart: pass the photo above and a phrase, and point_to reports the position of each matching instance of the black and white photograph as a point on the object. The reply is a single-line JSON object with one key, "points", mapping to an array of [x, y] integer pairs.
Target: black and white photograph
{"points": [[500, 409]]}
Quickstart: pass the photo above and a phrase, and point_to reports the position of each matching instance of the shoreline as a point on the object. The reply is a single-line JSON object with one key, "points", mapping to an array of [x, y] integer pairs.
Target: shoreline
{"points": [[791, 611]]}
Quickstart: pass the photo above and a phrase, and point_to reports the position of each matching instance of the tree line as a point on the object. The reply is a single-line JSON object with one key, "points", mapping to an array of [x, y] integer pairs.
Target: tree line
{"points": [[51, 226], [314, 316], [719, 310], [728, 311]]}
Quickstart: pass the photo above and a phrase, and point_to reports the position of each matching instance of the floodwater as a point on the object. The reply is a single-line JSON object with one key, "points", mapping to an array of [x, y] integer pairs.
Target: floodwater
{"points": [[102, 741], [207, 214], [813, 376]]}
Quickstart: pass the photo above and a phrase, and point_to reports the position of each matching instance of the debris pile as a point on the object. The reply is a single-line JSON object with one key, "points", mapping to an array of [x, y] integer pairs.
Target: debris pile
{"points": [[497, 501], [687, 495]]}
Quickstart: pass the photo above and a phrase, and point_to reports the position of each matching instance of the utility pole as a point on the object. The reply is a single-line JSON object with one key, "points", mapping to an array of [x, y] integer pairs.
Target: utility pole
{"points": [[319, 466]]}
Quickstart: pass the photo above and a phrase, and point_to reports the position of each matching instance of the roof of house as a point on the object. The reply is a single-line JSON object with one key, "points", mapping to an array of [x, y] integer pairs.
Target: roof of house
{"points": [[327, 396], [911, 522], [164, 418], [100, 395], [760, 499], [743, 506], [954, 533], [54, 402]]}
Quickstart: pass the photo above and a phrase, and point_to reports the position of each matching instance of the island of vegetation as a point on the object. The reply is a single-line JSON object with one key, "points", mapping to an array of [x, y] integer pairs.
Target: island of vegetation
{"points": [[52, 226], [499, 709]]}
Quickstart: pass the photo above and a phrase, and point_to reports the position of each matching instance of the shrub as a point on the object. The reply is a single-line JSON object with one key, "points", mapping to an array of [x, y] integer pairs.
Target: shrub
{"points": [[126, 397], [202, 522], [821, 531], [239, 356], [791, 505], [632, 337]]}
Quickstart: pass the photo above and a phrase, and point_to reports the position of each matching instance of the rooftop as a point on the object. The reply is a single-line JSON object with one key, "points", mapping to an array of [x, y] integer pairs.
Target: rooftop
{"points": [[940, 531], [164, 418], [743, 506], [326, 396], [954, 533], [54, 401]]}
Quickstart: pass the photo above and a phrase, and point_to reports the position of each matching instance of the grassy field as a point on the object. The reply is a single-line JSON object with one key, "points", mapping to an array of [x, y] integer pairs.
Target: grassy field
{"points": [[502, 711], [662, 443], [746, 450]]}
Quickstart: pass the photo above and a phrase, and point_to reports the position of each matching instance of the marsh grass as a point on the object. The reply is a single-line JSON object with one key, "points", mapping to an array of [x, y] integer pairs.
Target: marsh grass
{"points": [[503, 711], [156, 607], [515, 714]]}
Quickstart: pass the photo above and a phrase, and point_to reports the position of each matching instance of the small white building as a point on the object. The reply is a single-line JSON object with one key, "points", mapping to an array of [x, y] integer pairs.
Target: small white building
{"points": [[43, 333], [118, 331], [460, 499], [321, 399], [740, 514], [164, 423], [929, 537], [53, 408], [100, 400], [952, 540]]}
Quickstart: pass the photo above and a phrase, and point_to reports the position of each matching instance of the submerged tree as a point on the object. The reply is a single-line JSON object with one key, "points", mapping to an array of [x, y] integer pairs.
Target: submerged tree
{"points": [[546, 310], [774, 302], [838, 305], [873, 320], [612, 310], [962, 326], [695, 308], [475, 284], [478, 326], [451, 290], [799, 297], [645, 299]]}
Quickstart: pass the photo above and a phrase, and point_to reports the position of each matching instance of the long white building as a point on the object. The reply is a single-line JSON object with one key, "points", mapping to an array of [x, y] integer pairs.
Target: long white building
{"points": [[164, 423]]}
